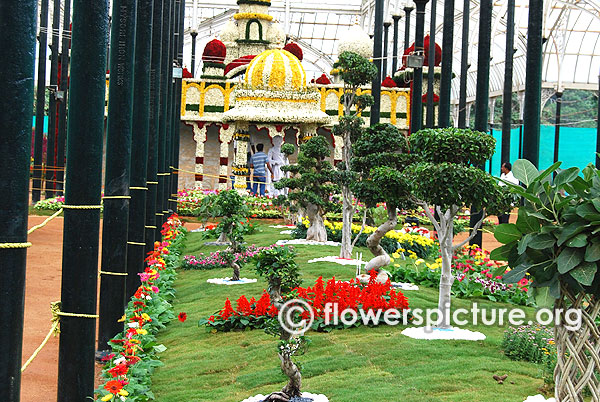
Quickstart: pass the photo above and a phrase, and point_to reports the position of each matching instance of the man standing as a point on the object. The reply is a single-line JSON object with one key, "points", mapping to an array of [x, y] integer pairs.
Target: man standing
{"points": [[258, 163], [508, 176]]}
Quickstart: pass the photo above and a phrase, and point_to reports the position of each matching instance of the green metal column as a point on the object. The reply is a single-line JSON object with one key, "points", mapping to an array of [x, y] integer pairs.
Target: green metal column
{"points": [[117, 172], [447, 55], [40, 105], [165, 80], [598, 129], [83, 179], [464, 66], [170, 111], [52, 105], [508, 84], [407, 11], [416, 115], [557, 125], [533, 84], [482, 90], [18, 31], [377, 51], [430, 120], [386, 41], [153, 131], [63, 87], [177, 114], [396, 19], [139, 149]]}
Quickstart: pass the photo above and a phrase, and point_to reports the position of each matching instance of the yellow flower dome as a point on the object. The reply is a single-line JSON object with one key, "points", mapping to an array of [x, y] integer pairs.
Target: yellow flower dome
{"points": [[276, 69]]}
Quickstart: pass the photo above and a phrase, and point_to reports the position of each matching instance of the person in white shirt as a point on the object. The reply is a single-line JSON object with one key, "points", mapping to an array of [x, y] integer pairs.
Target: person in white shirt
{"points": [[508, 176]]}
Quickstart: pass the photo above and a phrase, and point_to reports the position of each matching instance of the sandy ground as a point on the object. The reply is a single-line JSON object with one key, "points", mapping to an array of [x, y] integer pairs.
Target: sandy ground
{"points": [[39, 381]]}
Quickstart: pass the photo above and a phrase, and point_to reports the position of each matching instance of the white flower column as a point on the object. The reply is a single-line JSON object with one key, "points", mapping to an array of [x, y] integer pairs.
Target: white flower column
{"points": [[225, 136], [240, 163], [200, 138]]}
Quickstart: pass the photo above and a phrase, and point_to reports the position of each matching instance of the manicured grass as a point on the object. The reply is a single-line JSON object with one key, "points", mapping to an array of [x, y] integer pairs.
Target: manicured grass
{"points": [[359, 364]]}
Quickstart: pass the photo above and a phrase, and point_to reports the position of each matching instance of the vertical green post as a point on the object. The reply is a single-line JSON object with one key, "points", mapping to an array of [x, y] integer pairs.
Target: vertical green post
{"points": [[447, 56], [139, 142], [416, 115], [377, 51], [396, 19], [430, 120], [464, 66], [154, 127], [64, 84], [40, 105], [117, 172], [508, 84], [170, 106], [482, 90], [598, 129], [83, 179], [18, 32], [557, 125], [52, 105], [533, 84], [386, 40], [407, 11]]}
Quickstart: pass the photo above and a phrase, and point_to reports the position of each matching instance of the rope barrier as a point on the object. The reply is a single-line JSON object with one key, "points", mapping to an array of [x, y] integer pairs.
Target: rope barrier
{"points": [[134, 243], [15, 245], [221, 177], [56, 314], [112, 273], [41, 225], [82, 206], [151, 182], [150, 227], [116, 197], [139, 188]]}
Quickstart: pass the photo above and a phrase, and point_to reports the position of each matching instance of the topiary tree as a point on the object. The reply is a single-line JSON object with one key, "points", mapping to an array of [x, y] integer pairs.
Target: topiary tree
{"points": [[312, 184], [555, 241], [281, 271], [232, 209], [355, 71], [380, 156], [445, 179]]}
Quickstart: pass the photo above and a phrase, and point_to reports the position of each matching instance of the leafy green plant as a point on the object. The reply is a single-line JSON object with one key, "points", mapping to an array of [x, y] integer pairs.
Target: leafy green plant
{"points": [[532, 343]]}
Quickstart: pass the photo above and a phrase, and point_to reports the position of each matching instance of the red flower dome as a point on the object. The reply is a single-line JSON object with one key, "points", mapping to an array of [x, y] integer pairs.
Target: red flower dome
{"points": [[389, 82], [436, 98], [214, 52], [323, 80], [438, 52], [186, 73], [295, 50], [242, 61]]}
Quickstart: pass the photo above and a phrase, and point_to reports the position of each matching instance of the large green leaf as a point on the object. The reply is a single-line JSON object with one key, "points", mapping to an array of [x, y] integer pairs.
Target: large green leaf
{"points": [[525, 171], [541, 241], [566, 176], [526, 222], [578, 241], [588, 212], [570, 231], [592, 252], [568, 259], [584, 273], [548, 171], [596, 203], [543, 297], [516, 274], [507, 232], [501, 253], [523, 243]]}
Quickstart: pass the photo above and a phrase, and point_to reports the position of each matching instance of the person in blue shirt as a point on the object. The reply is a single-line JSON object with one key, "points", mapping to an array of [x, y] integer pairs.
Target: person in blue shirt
{"points": [[260, 164]]}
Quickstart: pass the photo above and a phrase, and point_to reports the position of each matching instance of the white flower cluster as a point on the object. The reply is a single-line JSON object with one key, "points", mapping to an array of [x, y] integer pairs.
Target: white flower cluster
{"points": [[357, 41]]}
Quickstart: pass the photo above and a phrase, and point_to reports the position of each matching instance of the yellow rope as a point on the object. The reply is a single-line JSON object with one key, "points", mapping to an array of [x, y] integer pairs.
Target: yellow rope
{"points": [[133, 243], [163, 174], [159, 214], [116, 197], [151, 182], [15, 245], [139, 188], [41, 225], [112, 273], [150, 227], [82, 206], [56, 314]]}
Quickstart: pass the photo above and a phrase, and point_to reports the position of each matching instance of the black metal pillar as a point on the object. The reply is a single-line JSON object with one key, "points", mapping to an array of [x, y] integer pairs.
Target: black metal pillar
{"points": [[464, 66], [396, 19], [117, 173], [40, 105], [172, 116], [416, 115], [169, 113], [407, 11], [62, 110], [508, 78], [430, 120], [52, 105], [154, 126], [533, 84], [18, 32], [386, 39], [376, 84], [194, 34], [139, 146], [83, 178], [447, 55], [598, 129], [520, 139], [557, 125], [483, 88]]}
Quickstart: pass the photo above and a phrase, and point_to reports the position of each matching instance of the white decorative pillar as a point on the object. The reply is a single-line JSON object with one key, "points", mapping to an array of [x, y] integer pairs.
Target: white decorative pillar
{"points": [[225, 136], [199, 128]]}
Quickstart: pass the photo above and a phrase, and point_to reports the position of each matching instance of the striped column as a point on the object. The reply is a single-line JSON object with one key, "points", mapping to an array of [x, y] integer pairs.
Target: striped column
{"points": [[200, 138], [226, 134]]}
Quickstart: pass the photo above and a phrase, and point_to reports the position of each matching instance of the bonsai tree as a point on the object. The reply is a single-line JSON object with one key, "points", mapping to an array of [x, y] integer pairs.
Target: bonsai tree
{"points": [[355, 71], [232, 209], [555, 240], [279, 267], [380, 156], [444, 178], [311, 184]]}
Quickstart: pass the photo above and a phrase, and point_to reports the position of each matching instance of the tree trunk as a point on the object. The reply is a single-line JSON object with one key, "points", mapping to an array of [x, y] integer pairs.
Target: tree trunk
{"points": [[347, 214], [316, 231], [288, 367], [236, 271], [445, 236], [381, 258]]}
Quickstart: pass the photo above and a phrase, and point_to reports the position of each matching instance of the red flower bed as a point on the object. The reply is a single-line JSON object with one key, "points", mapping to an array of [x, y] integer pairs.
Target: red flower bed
{"points": [[348, 295]]}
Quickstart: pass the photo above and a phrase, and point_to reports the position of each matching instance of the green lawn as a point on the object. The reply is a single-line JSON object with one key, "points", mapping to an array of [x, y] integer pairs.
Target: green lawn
{"points": [[359, 364]]}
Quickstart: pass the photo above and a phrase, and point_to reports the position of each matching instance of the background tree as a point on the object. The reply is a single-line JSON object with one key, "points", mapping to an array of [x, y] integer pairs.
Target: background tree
{"points": [[355, 71], [232, 209], [444, 178], [311, 184], [380, 156]]}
